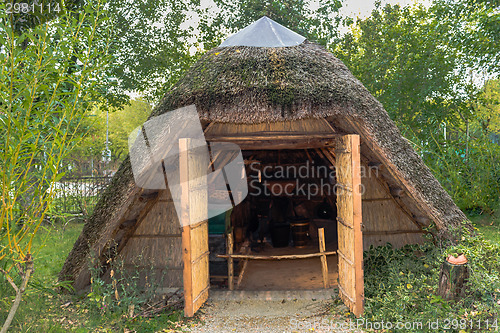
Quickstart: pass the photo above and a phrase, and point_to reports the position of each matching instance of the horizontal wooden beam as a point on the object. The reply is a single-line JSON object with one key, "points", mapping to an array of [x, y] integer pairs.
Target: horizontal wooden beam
{"points": [[271, 142], [155, 236], [376, 199], [259, 135], [393, 232], [286, 256]]}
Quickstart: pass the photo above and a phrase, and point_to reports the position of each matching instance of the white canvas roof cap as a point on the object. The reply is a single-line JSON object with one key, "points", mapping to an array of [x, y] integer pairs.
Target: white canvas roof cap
{"points": [[264, 33]]}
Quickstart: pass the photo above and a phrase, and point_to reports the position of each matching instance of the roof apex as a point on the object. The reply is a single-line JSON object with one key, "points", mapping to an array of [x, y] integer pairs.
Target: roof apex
{"points": [[264, 33]]}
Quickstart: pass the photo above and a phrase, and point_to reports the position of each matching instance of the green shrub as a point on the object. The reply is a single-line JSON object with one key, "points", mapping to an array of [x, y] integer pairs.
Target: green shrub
{"points": [[473, 180], [401, 284]]}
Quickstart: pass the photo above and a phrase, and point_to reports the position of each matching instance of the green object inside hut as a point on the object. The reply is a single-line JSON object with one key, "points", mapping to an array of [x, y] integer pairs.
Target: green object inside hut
{"points": [[217, 224]]}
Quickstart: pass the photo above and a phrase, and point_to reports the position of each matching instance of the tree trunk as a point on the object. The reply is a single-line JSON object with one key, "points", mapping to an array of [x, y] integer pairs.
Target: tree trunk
{"points": [[452, 281]]}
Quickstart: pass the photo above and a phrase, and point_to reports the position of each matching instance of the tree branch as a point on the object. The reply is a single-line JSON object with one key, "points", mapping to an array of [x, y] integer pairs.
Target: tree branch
{"points": [[9, 279]]}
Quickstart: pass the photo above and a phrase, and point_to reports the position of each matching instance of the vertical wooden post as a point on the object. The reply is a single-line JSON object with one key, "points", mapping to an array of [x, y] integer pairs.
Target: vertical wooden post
{"points": [[324, 265], [349, 219], [187, 276], [186, 229], [195, 251], [230, 262], [245, 249], [357, 221]]}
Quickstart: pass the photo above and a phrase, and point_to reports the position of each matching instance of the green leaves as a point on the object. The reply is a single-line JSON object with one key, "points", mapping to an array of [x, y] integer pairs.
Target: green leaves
{"points": [[46, 86], [476, 30], [151, 45], [121, 123], [399, 55], [401, 284]]}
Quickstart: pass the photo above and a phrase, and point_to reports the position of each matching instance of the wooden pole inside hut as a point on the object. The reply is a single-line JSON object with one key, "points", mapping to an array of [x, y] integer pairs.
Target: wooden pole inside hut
{"points": [[324, 265], [230, 261]]}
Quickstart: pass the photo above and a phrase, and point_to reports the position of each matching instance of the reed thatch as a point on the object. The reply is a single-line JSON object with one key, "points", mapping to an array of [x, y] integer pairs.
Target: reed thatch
{"points": [[250, 85]]}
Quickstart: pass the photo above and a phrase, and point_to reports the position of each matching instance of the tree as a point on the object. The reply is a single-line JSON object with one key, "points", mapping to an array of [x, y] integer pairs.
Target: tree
{"points": [[122, 123], [156, 41], [151, 44], [399, 55], [51, 74], [475, 30], [26, 15], [487, 108], [417, 63], [86, 158]]}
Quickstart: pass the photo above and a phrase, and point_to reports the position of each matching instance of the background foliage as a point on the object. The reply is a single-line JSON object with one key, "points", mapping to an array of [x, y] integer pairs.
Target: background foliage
{"points": [[438, 86]]}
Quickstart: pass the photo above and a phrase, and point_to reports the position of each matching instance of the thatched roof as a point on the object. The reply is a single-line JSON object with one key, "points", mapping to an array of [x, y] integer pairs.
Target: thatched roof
{"points": [[252, 85]]}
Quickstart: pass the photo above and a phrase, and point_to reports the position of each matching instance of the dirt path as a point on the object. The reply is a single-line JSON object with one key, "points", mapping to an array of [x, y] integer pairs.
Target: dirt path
{"points": [[275, 316]]}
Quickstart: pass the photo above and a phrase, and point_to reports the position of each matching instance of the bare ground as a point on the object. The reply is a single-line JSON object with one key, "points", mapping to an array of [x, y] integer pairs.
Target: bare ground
{"points": [[275, 316]]}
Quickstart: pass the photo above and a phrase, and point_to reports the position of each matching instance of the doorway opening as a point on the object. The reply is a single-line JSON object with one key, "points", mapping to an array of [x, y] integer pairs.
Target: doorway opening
{"points": [[277, 230]]}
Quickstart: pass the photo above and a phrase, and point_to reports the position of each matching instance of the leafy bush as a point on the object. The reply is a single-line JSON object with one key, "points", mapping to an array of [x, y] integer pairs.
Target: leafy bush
{"points": [[401, 284], [473, 180]]}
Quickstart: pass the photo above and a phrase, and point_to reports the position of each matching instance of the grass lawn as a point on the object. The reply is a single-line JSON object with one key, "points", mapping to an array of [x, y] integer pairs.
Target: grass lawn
{"points": [[488, 225], [45, 309]]}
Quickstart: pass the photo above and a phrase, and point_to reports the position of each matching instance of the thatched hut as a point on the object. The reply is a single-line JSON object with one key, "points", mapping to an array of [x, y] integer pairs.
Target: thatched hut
{"points": [[286, 102]]}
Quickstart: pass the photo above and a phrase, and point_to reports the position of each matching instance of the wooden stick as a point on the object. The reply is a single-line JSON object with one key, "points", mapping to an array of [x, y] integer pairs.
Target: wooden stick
{"points": [[324, 265], [240, 277], [287, 256], [329, 156], [19, 292], [7, 276], [246, 250], [230, 261]]}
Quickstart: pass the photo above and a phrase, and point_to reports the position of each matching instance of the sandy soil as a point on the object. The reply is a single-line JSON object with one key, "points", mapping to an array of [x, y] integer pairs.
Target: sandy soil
{"points": [[272, 316]]}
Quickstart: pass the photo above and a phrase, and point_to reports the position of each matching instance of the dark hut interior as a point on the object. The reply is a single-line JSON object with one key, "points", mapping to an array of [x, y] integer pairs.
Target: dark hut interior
{"points": [[291, 195]]}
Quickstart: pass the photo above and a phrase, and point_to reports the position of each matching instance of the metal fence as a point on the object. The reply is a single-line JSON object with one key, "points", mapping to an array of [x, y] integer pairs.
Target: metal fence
{"points": [[78, 195]]}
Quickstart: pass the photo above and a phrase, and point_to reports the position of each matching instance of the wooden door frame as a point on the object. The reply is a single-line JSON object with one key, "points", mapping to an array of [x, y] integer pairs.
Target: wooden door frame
{"points": [[356, 301], [191, 302]]}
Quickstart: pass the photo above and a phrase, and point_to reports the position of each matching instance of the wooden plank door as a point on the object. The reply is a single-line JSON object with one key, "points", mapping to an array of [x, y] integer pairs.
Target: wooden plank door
{"points": [[350, 251], [194, 206]]}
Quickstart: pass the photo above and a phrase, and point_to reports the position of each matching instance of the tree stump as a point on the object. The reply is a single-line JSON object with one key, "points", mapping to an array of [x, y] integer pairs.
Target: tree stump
{"points": [[453, 278]]}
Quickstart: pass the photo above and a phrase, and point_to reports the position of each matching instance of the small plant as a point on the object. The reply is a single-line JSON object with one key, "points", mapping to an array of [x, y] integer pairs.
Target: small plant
{"points": [[128, 292]]}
